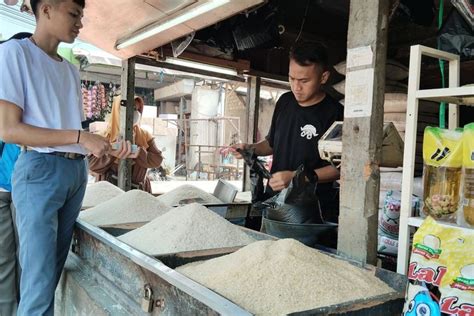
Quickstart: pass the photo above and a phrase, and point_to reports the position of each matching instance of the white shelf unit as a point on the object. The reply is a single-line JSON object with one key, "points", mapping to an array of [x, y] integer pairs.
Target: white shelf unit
{"points": [[454, 95]]}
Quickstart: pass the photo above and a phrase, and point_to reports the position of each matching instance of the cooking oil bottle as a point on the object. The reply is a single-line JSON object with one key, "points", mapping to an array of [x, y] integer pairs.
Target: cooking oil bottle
{"points": [[442, 156], [468, 175]]}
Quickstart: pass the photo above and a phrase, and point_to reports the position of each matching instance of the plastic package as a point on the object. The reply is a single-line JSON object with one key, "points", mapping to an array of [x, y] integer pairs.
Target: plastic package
{"points": [[116, 146], [442, 157], [442, 266], [466, 217]]}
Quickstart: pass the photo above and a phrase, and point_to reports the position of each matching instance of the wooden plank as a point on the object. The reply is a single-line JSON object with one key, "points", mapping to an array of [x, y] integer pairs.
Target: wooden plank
{"points": [[362, 134], [453, 119], [126, 125], [409, 159], [457, 95]]}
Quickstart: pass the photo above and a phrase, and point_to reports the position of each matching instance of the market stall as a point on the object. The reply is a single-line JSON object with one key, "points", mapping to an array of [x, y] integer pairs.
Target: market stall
{"points": [[189, 251]]}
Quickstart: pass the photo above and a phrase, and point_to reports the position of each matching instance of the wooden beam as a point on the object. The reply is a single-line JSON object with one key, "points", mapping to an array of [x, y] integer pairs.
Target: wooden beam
{"points": [[362, 132], [126, 119], [252, 109]]}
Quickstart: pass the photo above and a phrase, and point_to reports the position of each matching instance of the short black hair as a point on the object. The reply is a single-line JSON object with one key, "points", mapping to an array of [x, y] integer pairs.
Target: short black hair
{"points": [[34, 4], [308, 53], [20, 35]]}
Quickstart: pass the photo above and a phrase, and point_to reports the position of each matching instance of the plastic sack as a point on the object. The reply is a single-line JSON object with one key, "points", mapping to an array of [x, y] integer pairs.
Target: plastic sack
{"points": [[296, 204], [387, 245], [442, 260], [442, 157], [456, 36], [389, 221], [389, 216]]}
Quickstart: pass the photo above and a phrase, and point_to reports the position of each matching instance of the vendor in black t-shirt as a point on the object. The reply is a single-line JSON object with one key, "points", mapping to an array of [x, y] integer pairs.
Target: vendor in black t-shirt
{"points": [[300, 118]]}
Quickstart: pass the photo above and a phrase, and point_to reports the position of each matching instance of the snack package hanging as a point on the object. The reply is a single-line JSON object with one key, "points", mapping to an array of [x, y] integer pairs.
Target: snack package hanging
{"points": [[441, 271], [466, 216], [442, 157]]}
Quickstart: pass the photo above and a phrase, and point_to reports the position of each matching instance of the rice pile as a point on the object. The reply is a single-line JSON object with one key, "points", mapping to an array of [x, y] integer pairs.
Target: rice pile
{"points": [[134, 206], [186, 228], [284, 276], [100, 192], [187, 191]]}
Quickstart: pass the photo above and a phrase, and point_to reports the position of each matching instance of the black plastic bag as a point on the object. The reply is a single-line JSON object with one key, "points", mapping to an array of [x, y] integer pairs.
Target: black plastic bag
{"points": [[297, 204], [251, 159], [421, 12], [257, 173], [256, 186], [457, 37]]}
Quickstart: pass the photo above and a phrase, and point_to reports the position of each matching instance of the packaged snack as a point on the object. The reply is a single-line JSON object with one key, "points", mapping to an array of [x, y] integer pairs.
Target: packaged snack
{"points": [[442, 262], [466, 218], [442, 157], [420, 302]]}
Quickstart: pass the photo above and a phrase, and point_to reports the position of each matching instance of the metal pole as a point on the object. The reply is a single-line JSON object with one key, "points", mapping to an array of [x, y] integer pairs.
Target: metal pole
{"points": [[126, 121], [253, 104]]}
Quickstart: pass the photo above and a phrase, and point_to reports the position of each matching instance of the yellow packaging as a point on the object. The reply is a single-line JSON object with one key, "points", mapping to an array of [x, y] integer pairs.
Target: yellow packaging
{"points": [[443, 258], [457, 285], [428, 256], [467, 216], [442, 157]]}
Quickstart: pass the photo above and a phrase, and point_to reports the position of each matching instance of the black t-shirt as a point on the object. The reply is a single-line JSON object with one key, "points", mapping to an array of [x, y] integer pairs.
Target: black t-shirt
{"points": [[296, 130]]}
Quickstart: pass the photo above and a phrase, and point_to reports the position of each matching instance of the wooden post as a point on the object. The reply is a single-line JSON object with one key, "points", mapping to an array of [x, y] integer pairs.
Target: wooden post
{"points": [[126, 119], [363, 129], [253, 105]]}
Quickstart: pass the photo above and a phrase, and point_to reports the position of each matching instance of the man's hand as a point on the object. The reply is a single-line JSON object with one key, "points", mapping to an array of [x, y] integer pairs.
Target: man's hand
{"points": [[281, 180], [95, 144], [123, 150], [234, 152]]}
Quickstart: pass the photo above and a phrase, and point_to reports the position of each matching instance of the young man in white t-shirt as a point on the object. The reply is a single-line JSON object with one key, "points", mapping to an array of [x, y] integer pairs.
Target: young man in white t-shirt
{"points": [[41, 109]]}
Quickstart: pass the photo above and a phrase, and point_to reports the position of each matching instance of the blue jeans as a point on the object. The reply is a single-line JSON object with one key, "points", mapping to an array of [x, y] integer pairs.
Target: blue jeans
{"points": [[8, 258], [47, 193]]}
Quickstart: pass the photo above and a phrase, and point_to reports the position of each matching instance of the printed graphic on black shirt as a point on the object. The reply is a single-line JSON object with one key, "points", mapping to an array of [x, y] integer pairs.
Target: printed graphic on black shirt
{"points": [[308, 131]]}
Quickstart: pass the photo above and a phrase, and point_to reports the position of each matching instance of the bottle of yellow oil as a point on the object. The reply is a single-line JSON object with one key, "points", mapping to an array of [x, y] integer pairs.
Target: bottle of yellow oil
{"points": [[442, 157], [468, 174]]}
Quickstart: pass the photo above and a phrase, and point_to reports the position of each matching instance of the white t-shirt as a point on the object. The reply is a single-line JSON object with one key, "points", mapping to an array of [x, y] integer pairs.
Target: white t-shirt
{"points": [[48, 91]]}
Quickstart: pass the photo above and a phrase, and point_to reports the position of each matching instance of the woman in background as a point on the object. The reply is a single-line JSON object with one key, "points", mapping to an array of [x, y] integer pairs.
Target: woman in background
{"points": [[147, 155]]}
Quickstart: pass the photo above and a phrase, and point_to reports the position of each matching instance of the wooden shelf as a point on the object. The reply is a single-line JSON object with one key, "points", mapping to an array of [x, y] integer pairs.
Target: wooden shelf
{"points": [[460, 95], [454, 95], [417, 221]]}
